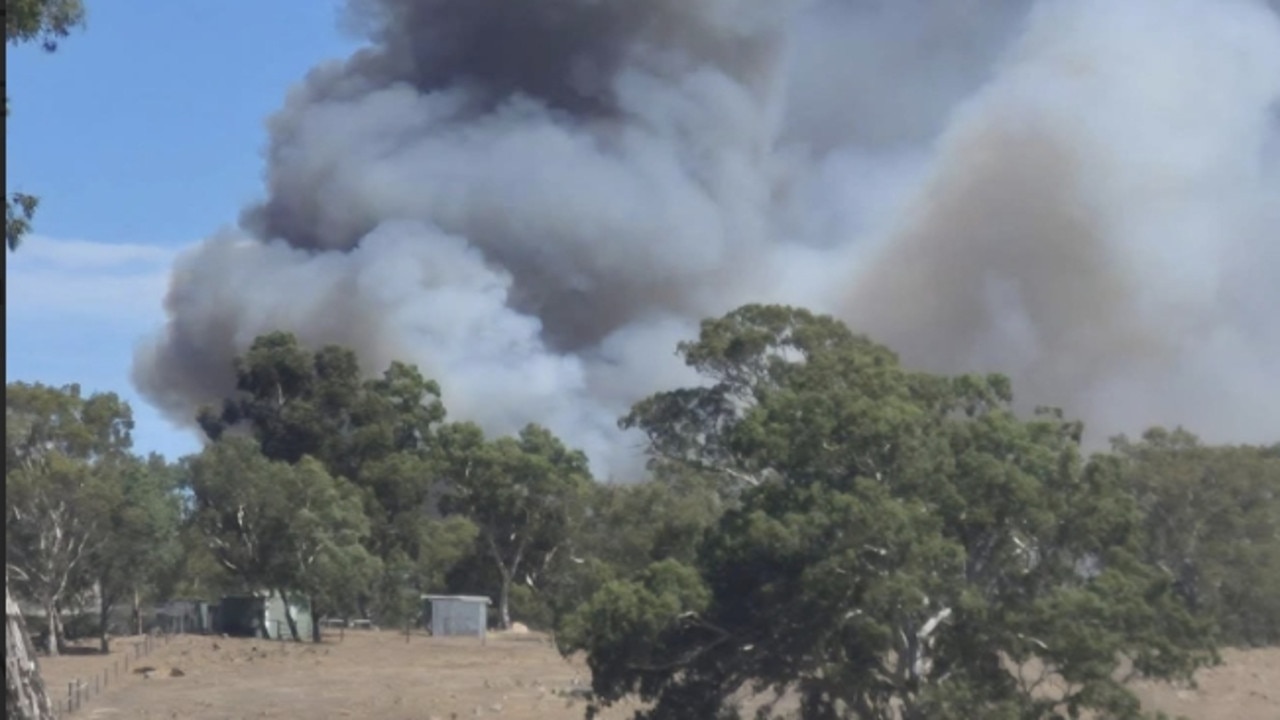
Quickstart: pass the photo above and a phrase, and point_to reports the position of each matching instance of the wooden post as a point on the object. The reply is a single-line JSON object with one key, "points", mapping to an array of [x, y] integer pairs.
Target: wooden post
{"points": [[25, 695]]}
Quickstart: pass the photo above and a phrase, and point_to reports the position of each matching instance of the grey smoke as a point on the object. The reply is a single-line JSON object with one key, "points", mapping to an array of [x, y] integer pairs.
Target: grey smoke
{"points": [[535, 200]]}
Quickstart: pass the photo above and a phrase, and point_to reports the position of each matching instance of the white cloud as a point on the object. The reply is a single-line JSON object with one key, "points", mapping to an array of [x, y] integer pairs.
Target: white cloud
{"points": [[63, 279], [89, 254], [75, 310]]}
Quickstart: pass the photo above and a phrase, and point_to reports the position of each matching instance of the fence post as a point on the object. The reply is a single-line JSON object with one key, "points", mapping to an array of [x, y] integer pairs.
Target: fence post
{"points": [[71, 694]]}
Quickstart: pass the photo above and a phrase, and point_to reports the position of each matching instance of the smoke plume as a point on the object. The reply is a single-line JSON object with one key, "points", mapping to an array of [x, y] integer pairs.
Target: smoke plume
{"points": [[535, 200]]}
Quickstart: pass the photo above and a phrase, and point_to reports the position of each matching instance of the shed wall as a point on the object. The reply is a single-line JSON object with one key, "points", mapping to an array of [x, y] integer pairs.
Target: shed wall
{"points": [[450, 616]]}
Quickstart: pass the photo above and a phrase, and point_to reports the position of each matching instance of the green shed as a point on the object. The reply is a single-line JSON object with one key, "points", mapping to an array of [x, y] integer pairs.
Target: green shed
{"points": [[263, 615]]}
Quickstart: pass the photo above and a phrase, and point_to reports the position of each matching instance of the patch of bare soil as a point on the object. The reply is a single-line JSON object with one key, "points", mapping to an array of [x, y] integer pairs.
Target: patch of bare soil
{"points": [[95, 674], [1245, 687], [380, 676], [368, 674]]}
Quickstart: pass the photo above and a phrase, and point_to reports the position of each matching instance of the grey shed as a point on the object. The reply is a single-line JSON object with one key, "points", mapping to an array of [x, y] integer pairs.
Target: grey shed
{"points": [[458, 615]]}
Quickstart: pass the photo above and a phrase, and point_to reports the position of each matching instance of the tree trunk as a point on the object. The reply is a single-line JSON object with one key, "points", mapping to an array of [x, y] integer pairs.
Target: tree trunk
{"points": [[137, 613], [60, 632], [51, 617], [315, 622], [25, 696], [504, 592], [288, 617], [504, 601], [104, 621]]}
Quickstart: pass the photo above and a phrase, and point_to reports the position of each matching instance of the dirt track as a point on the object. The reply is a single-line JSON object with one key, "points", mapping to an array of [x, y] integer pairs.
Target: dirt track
{"points": [[377, 675]]}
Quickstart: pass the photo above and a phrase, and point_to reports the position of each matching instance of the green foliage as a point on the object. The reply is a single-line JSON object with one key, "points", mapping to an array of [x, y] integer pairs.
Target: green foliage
{"points": [[626, 528], [298, 403], [42, 21], [396, 602], [141, 543], [67, 475], [196, 571], [525, 495], [281, 526], [19, 211], [1212, 521], [644, 630], [379, 434], [889, 540], [665, 517]]}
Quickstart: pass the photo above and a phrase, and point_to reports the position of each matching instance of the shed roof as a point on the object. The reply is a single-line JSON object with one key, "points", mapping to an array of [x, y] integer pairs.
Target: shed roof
{"points": [[464, 598]]}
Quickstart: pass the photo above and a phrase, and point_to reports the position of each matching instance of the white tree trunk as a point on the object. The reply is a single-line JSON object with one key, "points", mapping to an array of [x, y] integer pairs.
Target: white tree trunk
{"points": [[51, 616], [25, 696]]}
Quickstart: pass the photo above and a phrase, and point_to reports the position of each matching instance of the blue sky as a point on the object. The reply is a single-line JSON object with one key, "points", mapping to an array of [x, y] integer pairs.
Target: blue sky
{"points": [[141, 135]]}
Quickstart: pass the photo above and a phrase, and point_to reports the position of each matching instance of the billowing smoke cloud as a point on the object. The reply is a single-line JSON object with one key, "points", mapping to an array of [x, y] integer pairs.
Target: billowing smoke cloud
{"points": [[535, 200]]}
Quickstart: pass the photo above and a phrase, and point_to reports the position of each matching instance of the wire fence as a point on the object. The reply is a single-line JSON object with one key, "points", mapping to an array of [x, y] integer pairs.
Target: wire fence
{"points": [[83, 689]]}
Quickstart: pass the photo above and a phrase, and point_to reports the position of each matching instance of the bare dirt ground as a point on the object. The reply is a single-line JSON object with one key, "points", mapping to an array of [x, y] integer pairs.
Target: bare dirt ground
{"points": [[378, 676]]}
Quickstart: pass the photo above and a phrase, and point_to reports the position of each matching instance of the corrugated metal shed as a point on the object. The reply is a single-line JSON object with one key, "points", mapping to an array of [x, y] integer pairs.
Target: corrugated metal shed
{"points": [[451, 615]]}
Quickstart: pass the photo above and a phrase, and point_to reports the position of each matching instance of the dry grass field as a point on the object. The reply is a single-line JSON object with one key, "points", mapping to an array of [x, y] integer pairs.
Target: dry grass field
{"points": [[379, 676]]}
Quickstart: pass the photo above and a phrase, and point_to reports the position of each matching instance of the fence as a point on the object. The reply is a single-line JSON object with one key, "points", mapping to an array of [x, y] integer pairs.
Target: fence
{"points": [[81, 690]]}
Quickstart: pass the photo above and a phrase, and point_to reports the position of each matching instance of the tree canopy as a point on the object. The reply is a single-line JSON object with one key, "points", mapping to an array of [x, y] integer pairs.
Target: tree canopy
{"points": [[279, 526], [1211, 515], [896, 542], [82, 512], [525, 495]]}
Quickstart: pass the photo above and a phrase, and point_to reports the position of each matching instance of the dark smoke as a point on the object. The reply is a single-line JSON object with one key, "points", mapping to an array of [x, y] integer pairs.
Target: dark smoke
{"points": [[535, 199]]}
